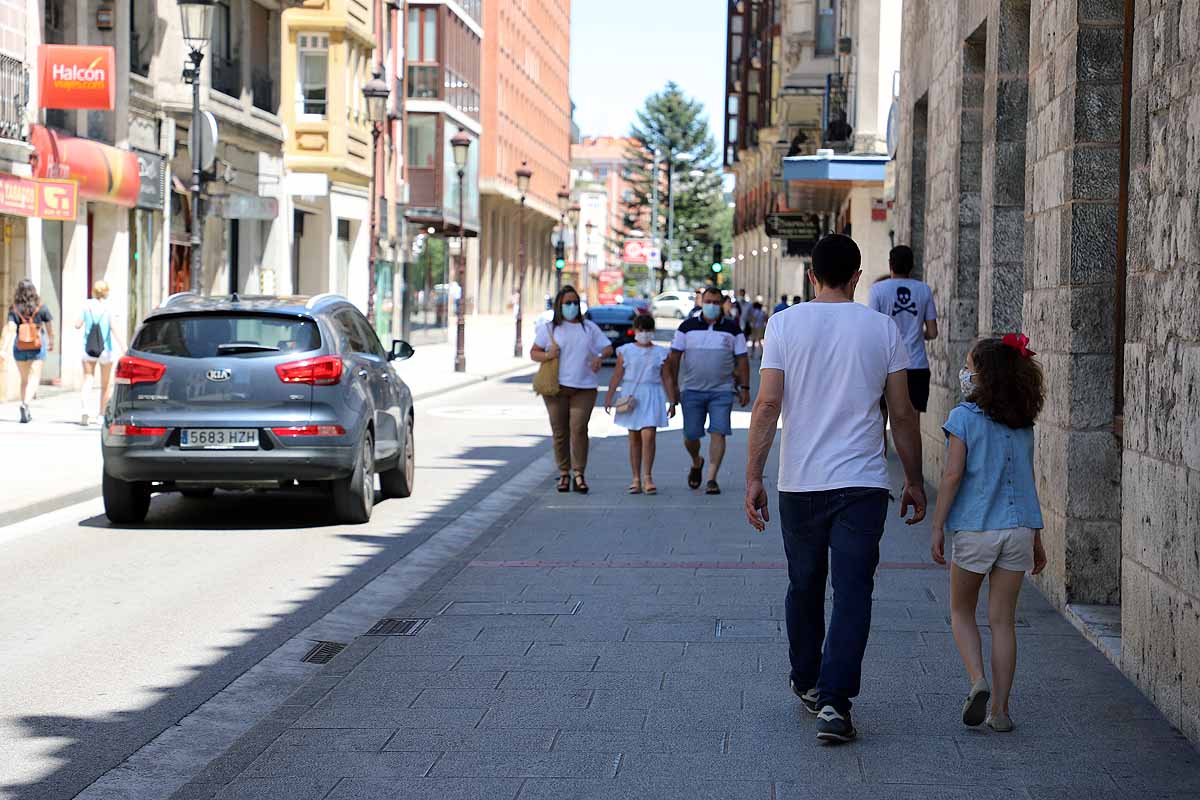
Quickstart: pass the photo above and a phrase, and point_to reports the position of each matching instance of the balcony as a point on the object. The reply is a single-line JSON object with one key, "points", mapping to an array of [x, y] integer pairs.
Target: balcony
{"points": [[473, 8], [227, 76], [14, 96], [424, 81], [262, 85]]}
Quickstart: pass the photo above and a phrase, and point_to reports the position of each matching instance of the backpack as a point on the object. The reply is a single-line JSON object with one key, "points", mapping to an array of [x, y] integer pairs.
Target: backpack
{"points": [[29, 332], [93, 345]]}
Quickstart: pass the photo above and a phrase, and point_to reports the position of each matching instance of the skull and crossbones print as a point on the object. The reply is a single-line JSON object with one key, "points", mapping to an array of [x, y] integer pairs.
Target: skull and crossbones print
{"points": [[904, 302]]}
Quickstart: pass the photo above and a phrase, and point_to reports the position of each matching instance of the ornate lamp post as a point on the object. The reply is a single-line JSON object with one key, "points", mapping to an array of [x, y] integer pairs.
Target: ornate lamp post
{"points": [[564, 200], [376, 93], [524, 175], [461, 143], [573, 223], [196, 17]]}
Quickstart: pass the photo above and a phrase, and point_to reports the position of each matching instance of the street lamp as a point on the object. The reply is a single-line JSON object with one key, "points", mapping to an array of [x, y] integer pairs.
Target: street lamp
{"points": [[461, 143], [564, 200], [376, 93], [573, 222], [524, 175], [196, 18]]}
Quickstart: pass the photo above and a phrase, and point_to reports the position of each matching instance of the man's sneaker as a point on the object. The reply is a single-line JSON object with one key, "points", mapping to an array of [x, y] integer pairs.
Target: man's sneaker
{"points": [[976, 705], [807, 699], [834, 727]]}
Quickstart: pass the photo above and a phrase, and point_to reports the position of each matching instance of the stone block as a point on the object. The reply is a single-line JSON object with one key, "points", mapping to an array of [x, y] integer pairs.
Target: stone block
{"points": [[970, 167], [970, 128], [1100, 10], [1093, 561], [1093, 242], [1091, 381], [1012, 109], [1189, 408], [1097, 112], [1008, 174], [969, 209], [964, 325], [1008, 234], [1137, 408], [1095, 172], [1161, 647], [1100, 54], [1093, 473], [1189, 659], [1092, 324], [1164, 427]]}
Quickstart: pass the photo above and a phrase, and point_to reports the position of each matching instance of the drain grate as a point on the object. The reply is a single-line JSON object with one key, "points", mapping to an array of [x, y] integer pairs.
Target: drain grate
{"points": [[392, 626], [323, 652]]}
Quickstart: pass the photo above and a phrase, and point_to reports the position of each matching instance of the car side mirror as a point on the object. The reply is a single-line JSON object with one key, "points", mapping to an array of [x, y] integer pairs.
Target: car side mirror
{"points": [[401, 350]]}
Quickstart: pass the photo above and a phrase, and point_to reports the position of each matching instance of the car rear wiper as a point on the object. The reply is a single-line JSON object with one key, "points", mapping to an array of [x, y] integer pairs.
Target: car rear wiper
{"points": [[241, 347]]}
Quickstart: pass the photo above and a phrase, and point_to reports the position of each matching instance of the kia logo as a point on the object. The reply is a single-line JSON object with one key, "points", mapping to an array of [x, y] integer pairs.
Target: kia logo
{"points": [[219, 374]]}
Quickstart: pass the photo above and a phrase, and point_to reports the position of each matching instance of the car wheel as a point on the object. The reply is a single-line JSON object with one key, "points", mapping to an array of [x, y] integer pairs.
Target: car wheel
{"points": [[354, 495], [125, 502], [398, 481], [678, 314], [197, 494]]}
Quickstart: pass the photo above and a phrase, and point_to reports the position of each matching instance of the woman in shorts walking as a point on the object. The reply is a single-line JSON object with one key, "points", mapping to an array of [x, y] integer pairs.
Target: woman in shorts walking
{"points": [[988, 499], [34, 337]]}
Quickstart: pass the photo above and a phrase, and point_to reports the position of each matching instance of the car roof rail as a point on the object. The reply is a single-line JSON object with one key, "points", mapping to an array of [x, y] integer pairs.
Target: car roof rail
{"points": [[176, 296], [322, 297]]}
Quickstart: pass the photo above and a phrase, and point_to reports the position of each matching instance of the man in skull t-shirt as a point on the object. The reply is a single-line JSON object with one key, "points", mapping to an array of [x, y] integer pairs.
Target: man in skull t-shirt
{"points": [[910, 304]]}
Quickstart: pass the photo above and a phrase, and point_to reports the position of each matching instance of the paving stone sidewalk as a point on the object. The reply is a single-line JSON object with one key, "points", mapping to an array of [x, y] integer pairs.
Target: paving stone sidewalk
{"points": [[608, 646]]}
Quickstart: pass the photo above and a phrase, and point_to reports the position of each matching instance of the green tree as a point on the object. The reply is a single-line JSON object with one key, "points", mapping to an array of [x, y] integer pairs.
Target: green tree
{"points": [[673, 125]]}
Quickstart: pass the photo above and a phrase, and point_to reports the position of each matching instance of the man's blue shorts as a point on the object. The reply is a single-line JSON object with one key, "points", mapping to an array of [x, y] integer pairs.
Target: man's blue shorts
{"points": [[697, 405]]}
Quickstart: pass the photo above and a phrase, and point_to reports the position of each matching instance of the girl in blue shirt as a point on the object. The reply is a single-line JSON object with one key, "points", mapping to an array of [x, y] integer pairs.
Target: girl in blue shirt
{"points": [[988, 499]]}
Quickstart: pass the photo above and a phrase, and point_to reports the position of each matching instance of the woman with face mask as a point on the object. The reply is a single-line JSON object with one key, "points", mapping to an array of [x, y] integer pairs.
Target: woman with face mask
{"points": [[642, 401], [580, 347]]}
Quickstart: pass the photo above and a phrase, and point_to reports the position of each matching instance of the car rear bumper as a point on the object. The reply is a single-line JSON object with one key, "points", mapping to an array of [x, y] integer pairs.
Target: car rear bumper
{"points": [[228, 467]]}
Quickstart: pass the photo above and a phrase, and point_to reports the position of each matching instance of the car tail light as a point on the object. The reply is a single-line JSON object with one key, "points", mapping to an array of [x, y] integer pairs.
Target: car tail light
{"points": [[310, 430], [135, 430], [321, 371], [629, 333], [132, 370]]}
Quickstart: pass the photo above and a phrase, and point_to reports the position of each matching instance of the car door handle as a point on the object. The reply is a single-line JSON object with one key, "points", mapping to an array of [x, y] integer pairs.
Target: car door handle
{"points": [[385, 376], [362, 373]]}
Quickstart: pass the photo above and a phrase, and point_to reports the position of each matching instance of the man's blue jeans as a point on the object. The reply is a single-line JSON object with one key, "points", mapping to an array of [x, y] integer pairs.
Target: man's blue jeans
{"points": [[839, 528]]}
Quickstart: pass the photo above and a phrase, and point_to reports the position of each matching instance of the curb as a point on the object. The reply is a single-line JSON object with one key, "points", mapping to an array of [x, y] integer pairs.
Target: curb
{"points": [[473, 381]]}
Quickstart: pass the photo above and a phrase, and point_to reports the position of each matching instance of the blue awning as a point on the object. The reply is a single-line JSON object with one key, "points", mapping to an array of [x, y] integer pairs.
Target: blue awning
{"points": [[865, 169]]}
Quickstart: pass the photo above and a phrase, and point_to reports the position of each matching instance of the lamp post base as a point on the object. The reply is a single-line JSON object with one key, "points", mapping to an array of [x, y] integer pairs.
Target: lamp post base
{"points": [[460, 364]]}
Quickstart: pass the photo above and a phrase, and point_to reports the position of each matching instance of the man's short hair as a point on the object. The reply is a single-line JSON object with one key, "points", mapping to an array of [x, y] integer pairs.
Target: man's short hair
{"points": [[900, 259], [835, 259], [712, 290]]}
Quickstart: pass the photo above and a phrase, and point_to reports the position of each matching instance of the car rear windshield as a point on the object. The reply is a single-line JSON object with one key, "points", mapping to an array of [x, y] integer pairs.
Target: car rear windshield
{"points": [[241, 335]]}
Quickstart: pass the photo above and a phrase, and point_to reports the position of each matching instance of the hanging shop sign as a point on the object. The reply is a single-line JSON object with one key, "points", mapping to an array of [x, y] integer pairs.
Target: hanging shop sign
{"points": [[634, 251], [104, 173], [75, 76], [793, 226], [152, 175], [49, 199], [245, 206]]}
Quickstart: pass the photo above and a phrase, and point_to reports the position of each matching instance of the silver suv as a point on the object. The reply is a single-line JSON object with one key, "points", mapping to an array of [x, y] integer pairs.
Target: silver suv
{"points": [[257, 393]]}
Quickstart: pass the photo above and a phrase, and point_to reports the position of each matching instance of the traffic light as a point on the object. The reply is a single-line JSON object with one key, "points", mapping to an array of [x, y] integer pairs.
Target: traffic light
{"points": [[717, 264], [560, 256]]}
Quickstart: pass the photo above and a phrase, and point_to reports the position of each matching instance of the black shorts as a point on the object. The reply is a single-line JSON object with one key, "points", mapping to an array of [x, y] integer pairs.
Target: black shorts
{"points": [[918, 391]]}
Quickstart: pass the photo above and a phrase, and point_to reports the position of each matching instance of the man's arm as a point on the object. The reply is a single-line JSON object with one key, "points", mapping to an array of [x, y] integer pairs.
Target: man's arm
{"points": [[764, 420], [906, 433], [673, 367], [931, 331], [741, 374]]}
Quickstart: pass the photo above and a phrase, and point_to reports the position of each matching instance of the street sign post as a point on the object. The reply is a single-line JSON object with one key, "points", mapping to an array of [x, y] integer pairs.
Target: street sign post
{"points": [[674, 266]]}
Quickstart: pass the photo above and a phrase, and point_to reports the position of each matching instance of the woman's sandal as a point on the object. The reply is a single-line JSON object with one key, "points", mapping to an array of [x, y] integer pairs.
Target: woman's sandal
{"points": [[564, 483], [648, 485], [635, 487], [581, 485]]}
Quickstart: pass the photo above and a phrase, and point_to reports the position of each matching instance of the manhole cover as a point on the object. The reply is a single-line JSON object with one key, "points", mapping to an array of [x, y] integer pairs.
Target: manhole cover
{"points": [[323, 652], [391, 626]]}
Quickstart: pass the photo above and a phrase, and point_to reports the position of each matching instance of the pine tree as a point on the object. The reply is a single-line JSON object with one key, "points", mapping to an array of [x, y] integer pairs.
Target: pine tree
{"points": [[674, 125]]}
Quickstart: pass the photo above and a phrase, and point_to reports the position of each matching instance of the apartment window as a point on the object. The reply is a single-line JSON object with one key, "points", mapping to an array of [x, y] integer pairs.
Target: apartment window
{"points": [[226, 68], [313, 75], [141, 36], [826, 28], [424, 79], [422, 141]]}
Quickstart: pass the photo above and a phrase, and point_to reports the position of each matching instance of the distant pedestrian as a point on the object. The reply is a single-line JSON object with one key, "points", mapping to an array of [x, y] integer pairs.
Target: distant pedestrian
{"points": [[699, 302], [988, 499], [797, 299], [644, 384], [782, 305], [826, 365], [580, 347], [100, 343], [712, 354], [909, 302], [33, 337], [743, 304], [758, 327], [729, 310]]}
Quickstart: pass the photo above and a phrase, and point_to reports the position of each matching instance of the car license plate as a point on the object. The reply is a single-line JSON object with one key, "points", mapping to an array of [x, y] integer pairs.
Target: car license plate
{"points": [[218, 438], [613, 334]]}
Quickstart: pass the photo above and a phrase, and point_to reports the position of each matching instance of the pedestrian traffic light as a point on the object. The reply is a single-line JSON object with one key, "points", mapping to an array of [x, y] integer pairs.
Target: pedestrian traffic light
{"points": [[560, 256]]}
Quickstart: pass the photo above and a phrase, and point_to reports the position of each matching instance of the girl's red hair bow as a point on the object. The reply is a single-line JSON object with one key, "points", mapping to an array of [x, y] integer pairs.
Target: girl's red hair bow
{"points": [[1018, 342]]}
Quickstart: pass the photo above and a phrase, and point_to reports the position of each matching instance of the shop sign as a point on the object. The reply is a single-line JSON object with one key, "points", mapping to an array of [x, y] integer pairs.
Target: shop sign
{"points": [[22, 197], [793, 226], [74, 76], [245, 206], [152, 169], [610, 286], [104, 173], [634, 251]]}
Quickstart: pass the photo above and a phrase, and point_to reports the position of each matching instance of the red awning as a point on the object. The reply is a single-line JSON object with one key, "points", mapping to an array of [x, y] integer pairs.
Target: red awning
{"points": [[103, 172]]}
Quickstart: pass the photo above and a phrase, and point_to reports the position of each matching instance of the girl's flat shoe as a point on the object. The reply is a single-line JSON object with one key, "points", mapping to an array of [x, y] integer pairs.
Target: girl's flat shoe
{"points": [[635, 488], [1000, 723], [975, 708], [649, 486]]}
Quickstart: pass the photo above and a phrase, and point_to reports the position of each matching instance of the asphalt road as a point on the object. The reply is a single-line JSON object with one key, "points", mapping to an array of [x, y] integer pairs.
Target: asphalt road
{"points": [[113, 635]]}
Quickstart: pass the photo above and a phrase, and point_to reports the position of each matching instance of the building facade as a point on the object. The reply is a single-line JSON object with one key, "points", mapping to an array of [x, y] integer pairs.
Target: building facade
{"points": [[526, 121], [1057, 195], [808, 92], [598, 163]]}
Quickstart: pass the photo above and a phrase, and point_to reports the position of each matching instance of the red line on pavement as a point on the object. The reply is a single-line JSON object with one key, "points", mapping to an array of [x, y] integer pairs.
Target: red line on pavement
{"points": [[905, 565]]}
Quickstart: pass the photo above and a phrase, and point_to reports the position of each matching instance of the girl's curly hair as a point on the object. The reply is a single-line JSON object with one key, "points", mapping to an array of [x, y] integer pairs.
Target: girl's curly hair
{"points": [[1009, 388]]}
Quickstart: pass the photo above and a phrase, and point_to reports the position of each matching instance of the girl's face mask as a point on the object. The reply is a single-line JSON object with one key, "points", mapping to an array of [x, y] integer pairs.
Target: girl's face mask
{"points": [[966, 381], [570, 311], [644, 337]]}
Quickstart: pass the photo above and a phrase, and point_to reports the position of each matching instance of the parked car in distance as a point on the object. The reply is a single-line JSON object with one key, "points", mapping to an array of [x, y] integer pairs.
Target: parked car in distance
{"points": [[257, 393], [615, 320], [673, 304]]}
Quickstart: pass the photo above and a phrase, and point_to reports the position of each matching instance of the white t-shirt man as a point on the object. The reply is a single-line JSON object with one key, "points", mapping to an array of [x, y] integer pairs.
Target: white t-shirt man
{"points": [[910, 303], [835, 358], [579, 343]]}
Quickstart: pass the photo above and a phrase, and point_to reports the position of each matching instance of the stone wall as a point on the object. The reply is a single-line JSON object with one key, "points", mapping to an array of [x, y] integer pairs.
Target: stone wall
{"points": [[1160, 568]]}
